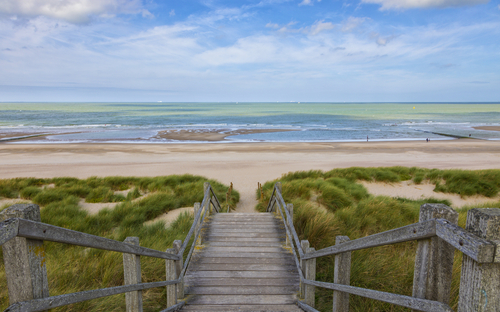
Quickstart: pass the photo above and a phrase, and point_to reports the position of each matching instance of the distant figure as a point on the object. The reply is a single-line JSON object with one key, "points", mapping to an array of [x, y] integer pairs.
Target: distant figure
{"points": [[469, 135], [427, 140], [366, 138]]}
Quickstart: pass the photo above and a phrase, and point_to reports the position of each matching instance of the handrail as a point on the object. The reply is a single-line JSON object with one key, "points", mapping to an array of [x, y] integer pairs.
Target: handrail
{"points": [[47, 232], [38, 231], [478, 249]]}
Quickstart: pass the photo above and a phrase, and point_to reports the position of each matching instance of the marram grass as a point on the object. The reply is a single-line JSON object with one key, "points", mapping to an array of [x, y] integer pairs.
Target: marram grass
{"points": [[72, 268], [328, 204]]}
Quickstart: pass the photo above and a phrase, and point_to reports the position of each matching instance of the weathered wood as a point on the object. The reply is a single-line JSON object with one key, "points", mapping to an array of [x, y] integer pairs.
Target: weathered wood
{"points": [[179, 264], [47, 232], [304, 244], [24, 259], [244, 239], [244, 255], [480, 283], [400, 300], [245, 244], [243, 274], [289, 220], [197, 210], [214, 249], [240, 299], [310, 274], [434, 258], [237, 281], [242, 267], [253, 235], [242, 290], [132, 275], [243, 230], [342, 275], [305, 307], [403, 234], [246, 307], [259, 261], [477, 248], [8, 230], [196, 221], [175, 307], [171, 275], [62, 300], [292, 228]]}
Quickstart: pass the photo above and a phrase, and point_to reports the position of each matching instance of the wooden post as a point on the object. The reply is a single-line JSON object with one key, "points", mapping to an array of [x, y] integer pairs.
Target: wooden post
{"points": [[206, 185], [342, 275], [197, 228], [310, 274], [290, 224], [132, 275], [304, 244], [170, 272], [434, 258], [24, 259], [480, 283], [178, 269]]}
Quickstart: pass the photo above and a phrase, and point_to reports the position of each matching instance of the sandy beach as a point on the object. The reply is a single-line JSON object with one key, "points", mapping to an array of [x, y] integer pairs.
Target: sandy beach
{"points": [[244, 164]]}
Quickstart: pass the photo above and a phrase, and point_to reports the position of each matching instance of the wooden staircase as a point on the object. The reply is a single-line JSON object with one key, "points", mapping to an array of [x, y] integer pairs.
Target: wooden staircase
{"points": [[242, 266]]}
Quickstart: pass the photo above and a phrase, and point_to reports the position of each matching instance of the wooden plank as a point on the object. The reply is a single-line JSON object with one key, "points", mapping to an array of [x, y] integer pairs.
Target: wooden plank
{"points": [[47, 232], [253, 235], [244, 239], [410, 232], [400, 300], [242, 290], [241, 267], [246, 255], [243, 223], [259, 261], [62, 300], [234, 281], [244, 230], [243, 274], [274, 307], [238, 299], [243, 249], [256, 228], [245, 244], [477, 248]]}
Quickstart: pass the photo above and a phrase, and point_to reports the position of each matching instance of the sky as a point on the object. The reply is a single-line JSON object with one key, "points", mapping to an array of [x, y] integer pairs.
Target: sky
{"points": [[250, 50]]}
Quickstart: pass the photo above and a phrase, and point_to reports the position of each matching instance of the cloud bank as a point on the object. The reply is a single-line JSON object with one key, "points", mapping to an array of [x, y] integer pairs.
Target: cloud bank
{"points": [[73, 11], [422, 4]]}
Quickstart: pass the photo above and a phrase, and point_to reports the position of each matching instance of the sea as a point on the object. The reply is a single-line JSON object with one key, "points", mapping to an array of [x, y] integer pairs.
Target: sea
{"points": [[312, 122]]}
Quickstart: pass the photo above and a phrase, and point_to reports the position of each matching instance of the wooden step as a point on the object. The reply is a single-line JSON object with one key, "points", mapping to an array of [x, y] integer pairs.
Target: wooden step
{"points": [[276, 307], [240, 299]]}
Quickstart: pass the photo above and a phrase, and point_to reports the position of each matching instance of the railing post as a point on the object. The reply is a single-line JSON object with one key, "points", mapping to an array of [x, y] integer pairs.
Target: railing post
{"points": [[342, 275], [132, 275], [480, 283], [290, 224], [309, 270], [170, 272], [197, 228], [178, 269], [434, 258], [208, 209], [24, 259]]}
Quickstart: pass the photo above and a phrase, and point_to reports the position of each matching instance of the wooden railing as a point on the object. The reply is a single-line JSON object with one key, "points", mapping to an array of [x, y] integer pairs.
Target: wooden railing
{"points": [[22, 234], [438, 236]]}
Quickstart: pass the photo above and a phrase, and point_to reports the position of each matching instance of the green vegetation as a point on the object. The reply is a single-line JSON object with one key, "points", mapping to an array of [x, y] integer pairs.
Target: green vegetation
{"points": [[72, 268], [328, 204]]}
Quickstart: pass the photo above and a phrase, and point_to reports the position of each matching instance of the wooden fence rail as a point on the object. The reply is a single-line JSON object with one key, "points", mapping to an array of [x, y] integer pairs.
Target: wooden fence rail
{"points": [[22, 234], [438, 236]]}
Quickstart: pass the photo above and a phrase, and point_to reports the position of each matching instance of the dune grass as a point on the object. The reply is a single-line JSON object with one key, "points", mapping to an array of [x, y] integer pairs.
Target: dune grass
{"points": [[328, 204], [72, 268]]}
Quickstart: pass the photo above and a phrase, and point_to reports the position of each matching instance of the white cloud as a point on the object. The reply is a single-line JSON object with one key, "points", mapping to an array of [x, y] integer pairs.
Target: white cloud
{"points": [[73, 11], [172, 13], [422, 4], [306, 2], [320, 26], [352, 23]]}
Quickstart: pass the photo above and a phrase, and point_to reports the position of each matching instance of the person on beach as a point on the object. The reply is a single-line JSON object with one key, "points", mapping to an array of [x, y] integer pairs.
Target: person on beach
{"points": [[366, 138]]}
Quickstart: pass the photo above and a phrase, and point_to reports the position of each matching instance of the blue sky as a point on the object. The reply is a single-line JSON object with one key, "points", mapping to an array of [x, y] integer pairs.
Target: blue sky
{"points": [[262, 50]]}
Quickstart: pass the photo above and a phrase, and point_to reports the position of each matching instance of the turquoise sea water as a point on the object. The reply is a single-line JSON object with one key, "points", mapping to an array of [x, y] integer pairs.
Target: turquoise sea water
{"points": [[314, 122]]}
